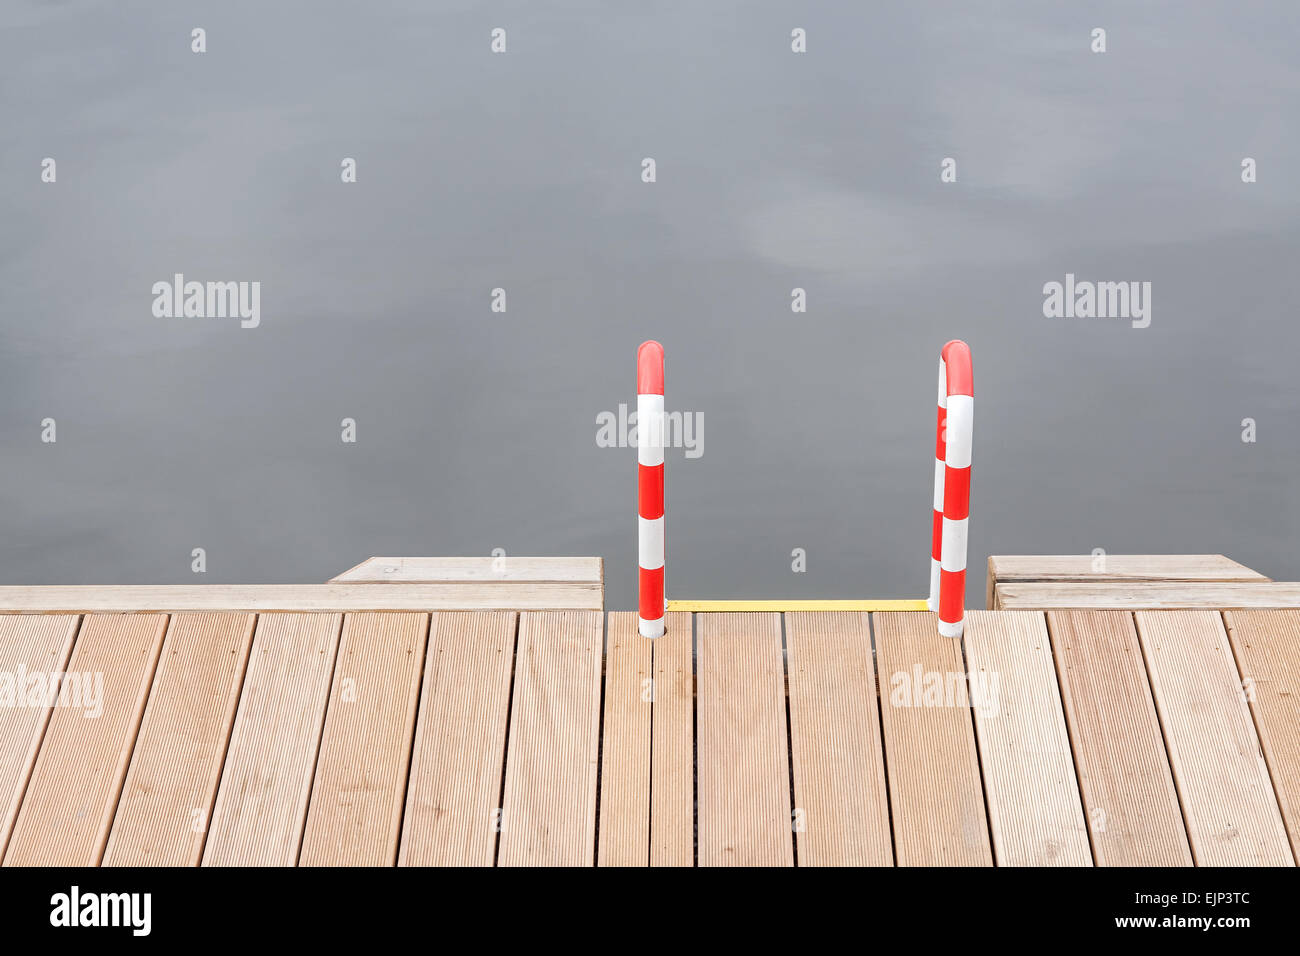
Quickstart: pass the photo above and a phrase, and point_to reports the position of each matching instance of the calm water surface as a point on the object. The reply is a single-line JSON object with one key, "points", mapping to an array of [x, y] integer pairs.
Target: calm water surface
{"points": [[477, 430]]}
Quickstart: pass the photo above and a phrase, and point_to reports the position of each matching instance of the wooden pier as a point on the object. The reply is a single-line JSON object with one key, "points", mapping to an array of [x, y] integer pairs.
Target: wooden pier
{"points": [[428, 711]]}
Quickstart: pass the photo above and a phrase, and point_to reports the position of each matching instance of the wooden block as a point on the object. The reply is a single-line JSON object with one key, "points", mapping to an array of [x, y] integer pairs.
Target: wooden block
{"points": [[504, 568], [31, 648], [355, 815], [1033, 796], [1138, 595], [934, 777], [672, 773], [839, 770], [744, 773], [454, 797], [75, 785], [1223, 784], [162, 818], [549, 814], [1004, 568], [1119, 754], [1267, 648], [321, 598], [625, 753], [262, 801]]}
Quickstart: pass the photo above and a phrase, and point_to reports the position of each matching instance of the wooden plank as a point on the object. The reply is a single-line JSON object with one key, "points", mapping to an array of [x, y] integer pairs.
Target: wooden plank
{"points": [[504, 568], [744, 772], [1146, 595], [454, 795], [1267, 648], [841, 807], [262, 801], [648, 735], [1128, 791], [1035, 815], [672, 763], [549, 814], [936, 798], [167, 798], [469, 596], [1223, 785], [355, 814], [625, 748], [75, 785], [1119, 567], [31, 649]]}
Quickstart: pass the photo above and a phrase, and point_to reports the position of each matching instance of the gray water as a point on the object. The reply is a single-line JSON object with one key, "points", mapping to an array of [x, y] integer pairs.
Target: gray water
{"points": [[477, 430]]}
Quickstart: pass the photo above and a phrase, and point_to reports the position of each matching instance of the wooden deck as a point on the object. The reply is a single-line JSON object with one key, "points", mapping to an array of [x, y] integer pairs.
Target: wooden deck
{"points": [[477, 737], [438, 711]]}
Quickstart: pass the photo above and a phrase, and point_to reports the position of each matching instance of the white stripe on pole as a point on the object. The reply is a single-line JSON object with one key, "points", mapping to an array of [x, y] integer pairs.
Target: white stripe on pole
{"points": [[650, 543], [954, 544], [961, 417], [650, 430], [951, 630]]}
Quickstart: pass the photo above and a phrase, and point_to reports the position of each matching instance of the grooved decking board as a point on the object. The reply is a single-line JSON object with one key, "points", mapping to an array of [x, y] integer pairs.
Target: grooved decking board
{"points": [[625, 749], [1267, 648], [1228, 801], [75, 785], [308, 598], [1136, 595], [454, 794], [839, 771], [262, 801], [504, 568], [1033, 795], [355, 815], [549, 814], [647, 740], [167, 798], [672, 768], [28, 646], [1128, 790], [744, 771], [936, 799]]}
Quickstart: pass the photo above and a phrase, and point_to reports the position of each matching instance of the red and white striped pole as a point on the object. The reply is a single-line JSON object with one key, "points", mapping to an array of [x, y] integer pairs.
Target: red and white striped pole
{"points": [[650, 486], [952, 451]]}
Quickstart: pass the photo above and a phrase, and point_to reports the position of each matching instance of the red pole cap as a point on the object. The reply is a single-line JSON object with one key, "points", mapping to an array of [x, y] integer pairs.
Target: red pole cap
{"points": [[956, 357], [650, 369]]}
